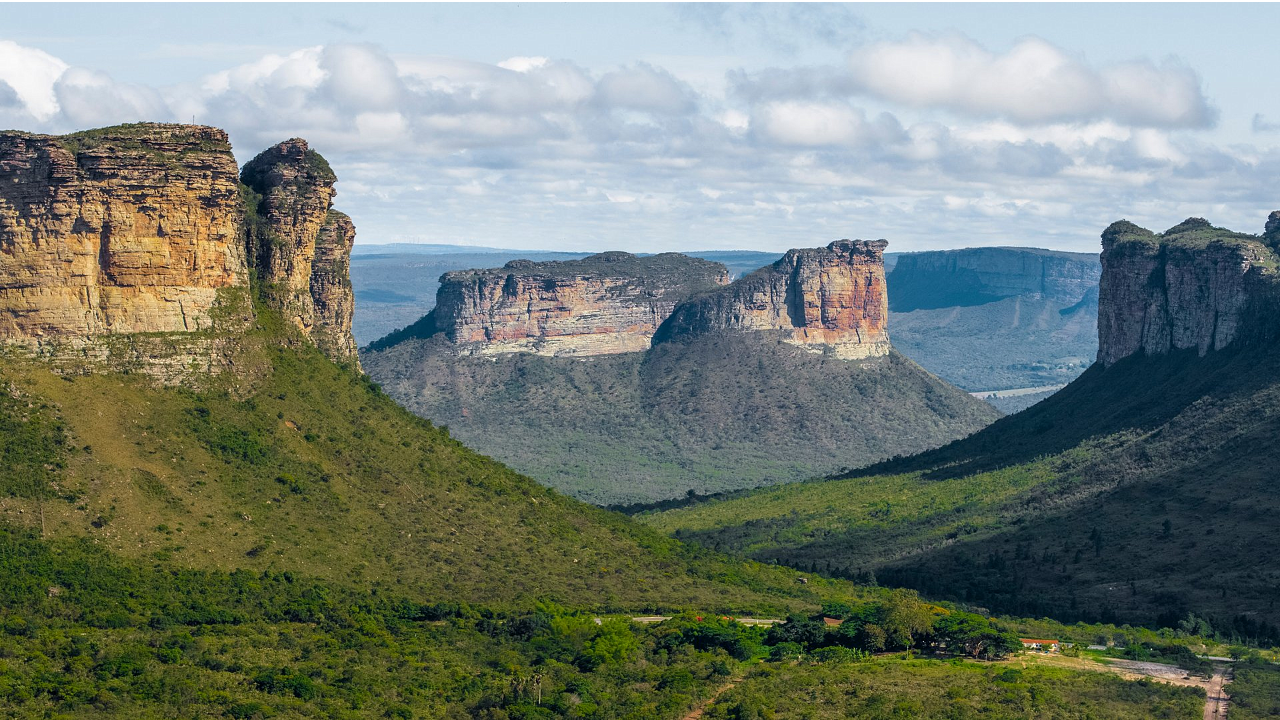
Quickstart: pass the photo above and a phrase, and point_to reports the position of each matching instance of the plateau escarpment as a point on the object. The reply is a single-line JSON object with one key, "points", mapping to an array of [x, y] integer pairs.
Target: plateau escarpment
{"points": [[997, 318], [556, 375], [828, 299], [131, 247], [122, 231], [603, 304], [1142, 492], [1193, 286], [976, 276]]}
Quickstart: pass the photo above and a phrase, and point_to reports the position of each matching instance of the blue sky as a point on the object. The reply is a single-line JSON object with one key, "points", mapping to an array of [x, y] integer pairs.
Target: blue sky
{"points": [[666, 127]]}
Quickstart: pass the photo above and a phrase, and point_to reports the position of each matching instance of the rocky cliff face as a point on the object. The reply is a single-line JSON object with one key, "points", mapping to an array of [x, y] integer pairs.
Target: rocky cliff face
{"points": [[301, 247], [601, 305], [828, 299], [125, 248], [976, 276], [123, 231], [1193, 286]]}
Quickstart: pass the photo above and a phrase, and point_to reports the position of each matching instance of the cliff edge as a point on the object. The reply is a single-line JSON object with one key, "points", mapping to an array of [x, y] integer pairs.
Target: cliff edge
{"points": [[1192, 286], [603, 304], [830, 299], [134, 248]]}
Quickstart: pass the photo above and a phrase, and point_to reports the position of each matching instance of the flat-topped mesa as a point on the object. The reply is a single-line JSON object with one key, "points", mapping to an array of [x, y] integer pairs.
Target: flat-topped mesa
{"points": [[603, 304], [825, 300], [132, 248], [300, 246], [976, 276], [128, 230], [1192, 286]]}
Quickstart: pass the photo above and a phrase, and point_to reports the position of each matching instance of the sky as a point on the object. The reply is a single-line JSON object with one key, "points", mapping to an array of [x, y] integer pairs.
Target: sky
{"points": [[655, 127]]}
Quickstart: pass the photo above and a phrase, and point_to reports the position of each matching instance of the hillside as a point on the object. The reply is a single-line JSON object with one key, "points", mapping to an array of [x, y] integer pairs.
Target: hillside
{"points": [[1140, 492], [733, 374]]}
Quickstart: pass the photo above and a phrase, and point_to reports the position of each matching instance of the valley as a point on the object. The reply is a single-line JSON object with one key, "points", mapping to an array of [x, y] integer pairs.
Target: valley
{"points": [[208, 509]]}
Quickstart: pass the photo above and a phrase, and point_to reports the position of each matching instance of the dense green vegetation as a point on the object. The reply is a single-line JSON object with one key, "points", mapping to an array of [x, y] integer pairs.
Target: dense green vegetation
{"points": [[1255, 689], [707, 416], [1140, 493], [950, 690], [290, 462], [84, 633]]}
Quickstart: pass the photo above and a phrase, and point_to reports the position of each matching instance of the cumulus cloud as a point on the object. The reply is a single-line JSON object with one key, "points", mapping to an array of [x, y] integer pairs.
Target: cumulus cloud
{"points": [[647, 89], [558, 154], [30, 73], [1034, 82]]}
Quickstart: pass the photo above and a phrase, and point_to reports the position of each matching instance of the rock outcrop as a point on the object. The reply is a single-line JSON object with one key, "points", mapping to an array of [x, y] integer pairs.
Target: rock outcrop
{"points": [[600, 305], [1193, 286], [301, 248], [131, 247], [976, 276], [825, 300]]}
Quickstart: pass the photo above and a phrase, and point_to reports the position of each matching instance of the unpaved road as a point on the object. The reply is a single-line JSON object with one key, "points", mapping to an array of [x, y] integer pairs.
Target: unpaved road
{"points": [[1215, 706]]}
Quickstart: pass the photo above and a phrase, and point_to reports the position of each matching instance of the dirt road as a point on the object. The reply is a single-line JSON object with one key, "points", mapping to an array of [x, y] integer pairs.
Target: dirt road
{"points": [[1215, 706]]}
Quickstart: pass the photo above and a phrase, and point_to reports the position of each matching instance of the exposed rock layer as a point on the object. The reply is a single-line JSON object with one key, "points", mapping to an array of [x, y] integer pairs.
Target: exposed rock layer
{"points": [[1193, 286], [975, 276], [828, 299], [601, 305], [302, 248], [127, 230], [125, 248]]}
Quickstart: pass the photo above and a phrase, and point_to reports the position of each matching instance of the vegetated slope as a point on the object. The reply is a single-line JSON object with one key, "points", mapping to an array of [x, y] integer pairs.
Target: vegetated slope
{"points": [[708, 416], [794, 355], [298, 464], [1141, 492], [997, 318]]}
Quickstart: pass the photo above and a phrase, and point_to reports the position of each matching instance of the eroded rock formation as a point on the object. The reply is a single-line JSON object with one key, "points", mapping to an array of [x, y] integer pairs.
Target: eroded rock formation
{"points": [[601, 305], [125, 248], [1193, 286], [301, 247], [828, 299]]}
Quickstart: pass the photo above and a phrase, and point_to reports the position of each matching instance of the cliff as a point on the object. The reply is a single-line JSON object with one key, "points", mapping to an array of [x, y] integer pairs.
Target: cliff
{"points": [[131, 248], [301, 248], [1193, 286], [600, 305], [828, 299], [976, 276]]}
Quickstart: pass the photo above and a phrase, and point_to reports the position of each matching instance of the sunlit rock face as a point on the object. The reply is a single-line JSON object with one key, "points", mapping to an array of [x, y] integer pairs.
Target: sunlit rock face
{"points": [[601, 305], [825, 300], [134, 247]]}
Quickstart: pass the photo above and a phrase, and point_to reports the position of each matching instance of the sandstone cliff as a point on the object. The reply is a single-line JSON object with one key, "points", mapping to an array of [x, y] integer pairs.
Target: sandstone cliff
{"points": [[1193, 286], [975, 276], [828, 299], [126, 248], [301, 248], [601, 305]]}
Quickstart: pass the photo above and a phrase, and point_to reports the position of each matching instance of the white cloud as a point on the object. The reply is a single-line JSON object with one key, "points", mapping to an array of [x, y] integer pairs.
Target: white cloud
{"points": [[557, 154], [31, 73], [645, 88], [1034, 82]]}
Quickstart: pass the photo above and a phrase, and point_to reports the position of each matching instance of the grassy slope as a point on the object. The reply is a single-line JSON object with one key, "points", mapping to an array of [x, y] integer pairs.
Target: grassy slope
{"points": [[1062, 509], [708, 416], [309, 468]]}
